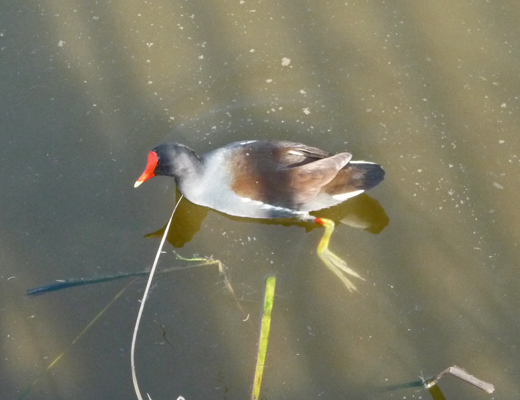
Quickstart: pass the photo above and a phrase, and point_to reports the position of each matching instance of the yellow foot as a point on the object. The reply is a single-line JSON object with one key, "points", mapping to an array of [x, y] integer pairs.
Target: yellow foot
{"points": [[339, 267], [331, 260]]}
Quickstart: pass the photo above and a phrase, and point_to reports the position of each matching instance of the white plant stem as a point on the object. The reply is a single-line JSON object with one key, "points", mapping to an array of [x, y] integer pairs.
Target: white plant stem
{"points": [[143, 301]]}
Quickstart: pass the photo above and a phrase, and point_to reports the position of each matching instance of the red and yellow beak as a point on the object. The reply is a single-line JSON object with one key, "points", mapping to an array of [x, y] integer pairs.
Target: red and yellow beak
{"points": [[149, 171]]}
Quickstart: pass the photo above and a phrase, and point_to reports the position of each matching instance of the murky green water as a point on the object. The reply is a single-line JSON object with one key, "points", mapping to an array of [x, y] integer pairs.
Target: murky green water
{"points": [[430, 91]]}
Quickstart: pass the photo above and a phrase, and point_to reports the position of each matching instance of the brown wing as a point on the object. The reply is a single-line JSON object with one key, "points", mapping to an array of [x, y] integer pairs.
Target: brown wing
{"points": [[283, 174], [307, 180], [293, 154]]}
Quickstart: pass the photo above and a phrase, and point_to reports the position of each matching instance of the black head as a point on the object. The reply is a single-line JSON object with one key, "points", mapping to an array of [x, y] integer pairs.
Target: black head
{"points": [[169, 159]]}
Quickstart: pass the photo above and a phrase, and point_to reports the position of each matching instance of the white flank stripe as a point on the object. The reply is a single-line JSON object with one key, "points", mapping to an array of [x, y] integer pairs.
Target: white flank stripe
{"points": [[361, 162], [345, 196]]}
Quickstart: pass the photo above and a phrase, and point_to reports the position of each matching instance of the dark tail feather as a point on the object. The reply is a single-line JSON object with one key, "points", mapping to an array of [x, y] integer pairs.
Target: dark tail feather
{"points": [[369, 174]]}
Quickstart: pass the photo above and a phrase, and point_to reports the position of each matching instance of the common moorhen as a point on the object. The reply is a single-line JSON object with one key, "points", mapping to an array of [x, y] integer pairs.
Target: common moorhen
{"points": [[268, 179]]}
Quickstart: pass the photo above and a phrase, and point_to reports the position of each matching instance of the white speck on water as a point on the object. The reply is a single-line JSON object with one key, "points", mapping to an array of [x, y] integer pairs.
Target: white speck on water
{"points": [[285, 61], [303, 91], [503, 105], [306, 111], [61, 43], [501, 141], [268, 80], [95, 18], [252, 50], [201, 57], [497, 185]]}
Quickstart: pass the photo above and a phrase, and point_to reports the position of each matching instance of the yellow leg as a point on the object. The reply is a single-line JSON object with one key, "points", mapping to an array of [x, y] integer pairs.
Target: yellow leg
{"points": [[331, 260]]}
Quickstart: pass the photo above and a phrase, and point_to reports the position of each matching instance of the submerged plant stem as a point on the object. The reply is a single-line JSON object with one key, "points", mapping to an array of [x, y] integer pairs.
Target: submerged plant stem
{"points": [[270, 285]]}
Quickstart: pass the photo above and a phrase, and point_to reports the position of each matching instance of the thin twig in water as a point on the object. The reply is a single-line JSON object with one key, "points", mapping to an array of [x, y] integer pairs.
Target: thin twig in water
{"points": [[463, 375], [69, 283], [145, 295]]}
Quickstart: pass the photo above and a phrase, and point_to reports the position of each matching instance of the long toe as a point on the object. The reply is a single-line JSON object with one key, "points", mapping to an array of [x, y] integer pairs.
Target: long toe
{"points": [[339, 268]]}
